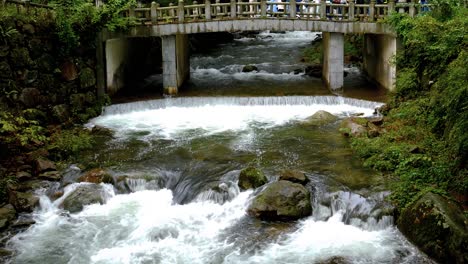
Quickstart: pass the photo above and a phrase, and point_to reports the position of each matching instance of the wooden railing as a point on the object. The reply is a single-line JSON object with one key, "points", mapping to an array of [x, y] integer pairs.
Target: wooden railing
{"points": [[306, 9], [25, 5]]}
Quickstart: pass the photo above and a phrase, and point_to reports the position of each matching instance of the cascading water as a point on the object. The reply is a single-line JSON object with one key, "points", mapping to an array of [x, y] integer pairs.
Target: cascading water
{"points": [[176, 162]]}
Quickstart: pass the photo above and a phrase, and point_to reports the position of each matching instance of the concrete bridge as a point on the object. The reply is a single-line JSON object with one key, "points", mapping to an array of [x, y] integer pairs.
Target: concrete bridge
{"points": [[175, 22]]}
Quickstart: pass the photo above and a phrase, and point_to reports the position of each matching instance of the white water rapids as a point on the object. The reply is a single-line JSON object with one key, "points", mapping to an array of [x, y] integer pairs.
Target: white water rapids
{"points": [[147, 226]]}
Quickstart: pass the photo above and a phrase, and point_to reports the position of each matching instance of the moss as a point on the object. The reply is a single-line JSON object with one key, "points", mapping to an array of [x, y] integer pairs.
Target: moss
{"points": [[251, 177]]}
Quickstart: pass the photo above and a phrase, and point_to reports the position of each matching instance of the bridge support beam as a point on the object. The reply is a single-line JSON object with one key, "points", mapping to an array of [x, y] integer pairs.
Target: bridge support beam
{"points": [[333, 59], [176, 62], [379, 51]]}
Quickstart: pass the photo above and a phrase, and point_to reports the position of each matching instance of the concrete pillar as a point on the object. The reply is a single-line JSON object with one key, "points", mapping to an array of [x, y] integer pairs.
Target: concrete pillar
{"points": [[116, 59], [176, 62], [333, 59], [379, 52]]}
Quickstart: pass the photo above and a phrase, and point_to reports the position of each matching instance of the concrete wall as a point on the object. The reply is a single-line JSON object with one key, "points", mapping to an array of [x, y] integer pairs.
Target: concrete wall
{"points": [[333, 59], [379, 51], [176, 62], [116, 57]]}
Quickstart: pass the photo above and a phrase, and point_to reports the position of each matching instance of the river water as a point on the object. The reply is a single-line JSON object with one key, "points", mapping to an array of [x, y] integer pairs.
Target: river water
{"points": [[178, 160]]}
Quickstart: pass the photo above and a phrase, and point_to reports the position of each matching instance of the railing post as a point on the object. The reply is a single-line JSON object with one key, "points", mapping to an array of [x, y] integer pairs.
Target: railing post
{"points": [[217, 9], [233, 9], [263, 7], [292, 9], [351, 10], [208, 9], [372, 10], [180, 11], [402, 8], [154, 13], [391, 6], [240, 10], [323, 9], [98, 3], [412, 9]]}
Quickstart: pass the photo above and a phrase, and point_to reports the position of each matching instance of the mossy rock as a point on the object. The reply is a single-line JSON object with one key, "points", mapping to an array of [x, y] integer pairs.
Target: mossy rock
{"points": [[354, 126], [251, 177], [281, 200], [438, 227], [320, 118]]}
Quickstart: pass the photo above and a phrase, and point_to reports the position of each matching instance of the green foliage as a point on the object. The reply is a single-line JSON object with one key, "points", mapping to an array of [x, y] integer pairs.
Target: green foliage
{"points": [[6, 33], [18, 131], [66, 143]]}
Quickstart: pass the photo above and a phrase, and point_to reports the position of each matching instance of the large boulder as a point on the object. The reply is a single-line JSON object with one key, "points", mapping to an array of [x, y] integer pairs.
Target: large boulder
{"points": [[96, 176], [249, 68], [43, 165], [438, 227], [320, 118], [294, 176], [281, 200], [251, 177], [23, 201], [7, 215], [84, 194]]}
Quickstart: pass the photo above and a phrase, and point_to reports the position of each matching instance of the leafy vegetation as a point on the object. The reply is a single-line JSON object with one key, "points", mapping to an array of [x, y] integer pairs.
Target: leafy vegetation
{"points": [[425, 146]]}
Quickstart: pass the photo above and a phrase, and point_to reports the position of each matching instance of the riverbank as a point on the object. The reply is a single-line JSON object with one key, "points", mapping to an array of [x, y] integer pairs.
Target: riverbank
{"points": [[423, 146]]}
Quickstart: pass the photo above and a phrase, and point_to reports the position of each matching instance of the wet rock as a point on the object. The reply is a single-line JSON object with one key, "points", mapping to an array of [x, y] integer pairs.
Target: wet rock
{"points": [[23, 176], [281, 200], [71, 175], [102, 131], [43, 165], [251, 177], [50, 176], [28, 185], [314, 70], [5, 252], [61, 113], [294, 176], [5, 70], [69, 71], [87, 78], [353, 127], [23, 223], [438, 227], [83, 195], [249, 68], [382, 109], [7, 215], [30, 97], [297, 71], [335, 260], [23, 202], [97, 176], [320, 118]]}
